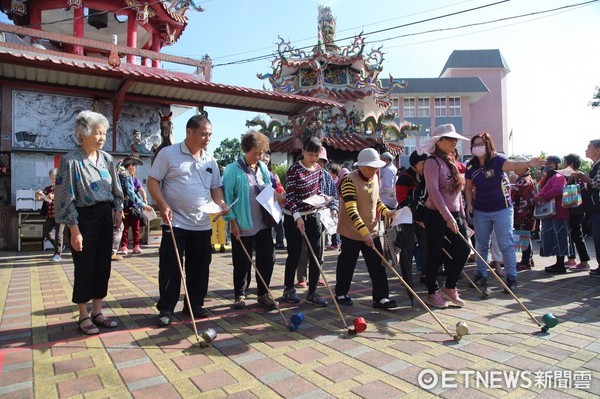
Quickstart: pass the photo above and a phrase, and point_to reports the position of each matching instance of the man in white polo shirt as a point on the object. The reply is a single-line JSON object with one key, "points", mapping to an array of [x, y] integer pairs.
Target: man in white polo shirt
{"points": [[182, 179]]}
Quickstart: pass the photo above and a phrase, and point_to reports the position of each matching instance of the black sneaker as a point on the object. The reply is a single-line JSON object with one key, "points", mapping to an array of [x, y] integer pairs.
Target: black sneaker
{"points": [[199, 312], [345, 300], [289, 294], [511, 283], [164, 318], [556, 269], [386, 304], [480, 281], [595, 272], [315, 299]]}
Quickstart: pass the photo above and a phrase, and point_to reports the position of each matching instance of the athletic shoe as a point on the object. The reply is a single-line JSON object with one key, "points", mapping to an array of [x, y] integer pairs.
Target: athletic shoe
{"points": [[315, 299], [511, 283], [571, 262], [581, 267], [595, 272], [137, 250], [222, 249], [56, 258], [289, 294], [267, 302], [199, 312], [321, 282], [116, 257], [437, 301], [240, 302], [164, 318], [385, 303], [301, 284], [480, 281], [123, 250], [556, 269], [345, 300], [452, 295]]}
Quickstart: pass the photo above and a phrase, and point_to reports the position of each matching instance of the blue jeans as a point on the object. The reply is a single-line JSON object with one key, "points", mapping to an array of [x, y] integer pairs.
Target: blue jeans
{"points": [[502, 222]]}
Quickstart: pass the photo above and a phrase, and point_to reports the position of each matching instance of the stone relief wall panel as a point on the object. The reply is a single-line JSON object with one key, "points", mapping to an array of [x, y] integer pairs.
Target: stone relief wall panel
{"points": [[45, 122]]}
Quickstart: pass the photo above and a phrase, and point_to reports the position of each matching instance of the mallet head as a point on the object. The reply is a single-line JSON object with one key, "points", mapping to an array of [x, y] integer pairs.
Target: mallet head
{"points": [[462, 328], [209, 335], [549, 321]]}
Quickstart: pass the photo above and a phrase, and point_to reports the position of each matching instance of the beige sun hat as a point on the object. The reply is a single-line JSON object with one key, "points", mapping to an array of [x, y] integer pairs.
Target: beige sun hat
{"points": [[369, 157], [446, 130]]}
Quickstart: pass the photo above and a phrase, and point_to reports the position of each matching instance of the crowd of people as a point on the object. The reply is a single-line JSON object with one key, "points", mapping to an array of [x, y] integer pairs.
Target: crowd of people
{"points": [[97, 198]]}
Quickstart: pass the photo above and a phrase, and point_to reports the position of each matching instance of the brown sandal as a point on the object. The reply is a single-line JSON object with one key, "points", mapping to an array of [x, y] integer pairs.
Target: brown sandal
{"points": [[88, 330], [108, 323]]}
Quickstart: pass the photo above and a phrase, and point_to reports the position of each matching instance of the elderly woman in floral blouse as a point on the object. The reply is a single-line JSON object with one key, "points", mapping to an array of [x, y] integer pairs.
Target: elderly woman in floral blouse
{"points": [[87, 191]]}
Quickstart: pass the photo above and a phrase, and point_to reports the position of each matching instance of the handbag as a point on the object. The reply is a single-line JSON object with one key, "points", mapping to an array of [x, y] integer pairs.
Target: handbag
{"points": [[571, 196], [137, 213], [521, 240], [545, 210]]}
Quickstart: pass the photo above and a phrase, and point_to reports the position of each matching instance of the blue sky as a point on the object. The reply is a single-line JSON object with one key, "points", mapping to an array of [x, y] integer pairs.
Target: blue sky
{"points": [[553, 56]]}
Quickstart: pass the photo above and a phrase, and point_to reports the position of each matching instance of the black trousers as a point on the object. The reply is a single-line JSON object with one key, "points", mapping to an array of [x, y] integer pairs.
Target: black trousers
{"points": [[54, 233], [577, 241], [265, 259], [312, 229], [92, 265], [437, 232], [410, 233], [194, 247], [346, 264]]}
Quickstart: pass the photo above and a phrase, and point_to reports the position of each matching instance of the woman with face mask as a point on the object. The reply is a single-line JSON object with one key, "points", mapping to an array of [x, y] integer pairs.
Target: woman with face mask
{"points": [[487, 197]]}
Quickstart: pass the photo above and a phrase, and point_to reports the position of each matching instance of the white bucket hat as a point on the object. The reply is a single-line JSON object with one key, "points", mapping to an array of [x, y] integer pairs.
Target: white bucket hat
{"points": [[369, 157], [446, 130]]}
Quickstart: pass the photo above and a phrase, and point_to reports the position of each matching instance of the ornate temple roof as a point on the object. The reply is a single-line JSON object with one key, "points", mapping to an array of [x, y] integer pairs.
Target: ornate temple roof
{"points": [[348, 75]]}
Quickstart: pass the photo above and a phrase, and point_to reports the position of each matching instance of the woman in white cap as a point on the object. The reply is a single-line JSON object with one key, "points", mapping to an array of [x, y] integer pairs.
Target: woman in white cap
{"points": [[357, 227], [487, 198], [444, 216]]}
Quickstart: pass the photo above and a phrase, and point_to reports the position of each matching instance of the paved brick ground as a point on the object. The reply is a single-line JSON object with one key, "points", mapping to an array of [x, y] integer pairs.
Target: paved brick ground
{"points": [[42, 355]]}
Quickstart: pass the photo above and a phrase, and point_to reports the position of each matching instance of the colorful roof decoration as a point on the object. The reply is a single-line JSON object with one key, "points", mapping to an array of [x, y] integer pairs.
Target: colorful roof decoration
{"points": [[345, 74]]}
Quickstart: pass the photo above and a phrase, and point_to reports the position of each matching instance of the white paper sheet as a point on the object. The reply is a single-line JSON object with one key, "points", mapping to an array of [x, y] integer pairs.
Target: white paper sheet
{"points": [[328, 222], [318, 200], [403, 216], [210, 207], [266, 198], [151, 214]]}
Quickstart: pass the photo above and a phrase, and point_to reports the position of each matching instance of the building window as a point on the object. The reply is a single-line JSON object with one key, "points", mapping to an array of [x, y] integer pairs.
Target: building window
{"points": [[394, 108], [409, 108], [440, 106], [424, 107], [454, 106]]}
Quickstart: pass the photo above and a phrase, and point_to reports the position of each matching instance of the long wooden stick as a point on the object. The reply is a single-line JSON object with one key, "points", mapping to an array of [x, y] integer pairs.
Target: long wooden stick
{"points": [[500, 280], [187, 297], [310, 248], [263, 281], [408, 287]]}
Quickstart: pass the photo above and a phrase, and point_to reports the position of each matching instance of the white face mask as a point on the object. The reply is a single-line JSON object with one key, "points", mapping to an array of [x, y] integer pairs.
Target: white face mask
{"points": [[478, 151]]}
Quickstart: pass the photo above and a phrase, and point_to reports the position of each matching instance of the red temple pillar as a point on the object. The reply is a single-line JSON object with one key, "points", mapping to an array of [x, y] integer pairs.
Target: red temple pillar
{"points": [[156, 47], [78, 28], [131, 36]]}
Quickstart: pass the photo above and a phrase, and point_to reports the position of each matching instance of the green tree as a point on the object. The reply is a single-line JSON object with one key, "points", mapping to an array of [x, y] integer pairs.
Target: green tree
{"points": [[596, 99], [228, 151]]}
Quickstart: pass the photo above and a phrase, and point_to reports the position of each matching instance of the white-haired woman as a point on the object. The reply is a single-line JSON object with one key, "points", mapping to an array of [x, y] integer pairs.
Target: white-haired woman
{"points": [[86, 193]]}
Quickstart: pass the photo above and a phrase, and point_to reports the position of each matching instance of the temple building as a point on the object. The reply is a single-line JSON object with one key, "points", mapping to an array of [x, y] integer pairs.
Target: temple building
{"points": [[60, 57]]}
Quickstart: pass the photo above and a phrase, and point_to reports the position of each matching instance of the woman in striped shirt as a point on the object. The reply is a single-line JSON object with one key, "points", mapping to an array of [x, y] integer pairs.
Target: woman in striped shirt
{"points": [[303, 181]]}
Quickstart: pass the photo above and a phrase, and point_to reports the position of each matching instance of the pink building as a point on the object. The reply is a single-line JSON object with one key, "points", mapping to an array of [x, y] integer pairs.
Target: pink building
{"points": [[469, 93]]}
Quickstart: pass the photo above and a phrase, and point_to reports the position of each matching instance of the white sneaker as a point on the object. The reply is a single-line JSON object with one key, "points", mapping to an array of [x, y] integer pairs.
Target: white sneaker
{"points": [[56, 258]]}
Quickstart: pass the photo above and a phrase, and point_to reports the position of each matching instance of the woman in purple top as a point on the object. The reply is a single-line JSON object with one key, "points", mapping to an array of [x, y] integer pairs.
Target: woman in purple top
{"points": [[488, 200], [443, 216]]}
